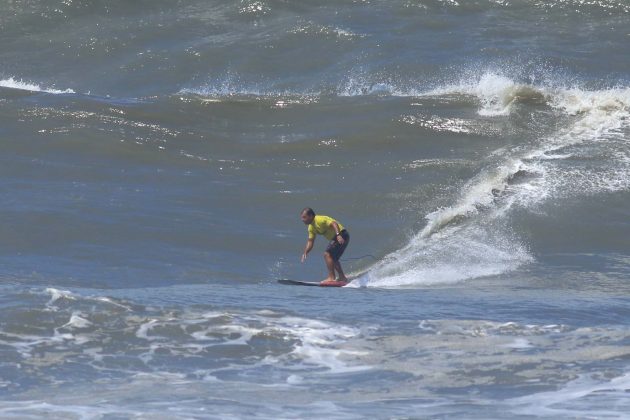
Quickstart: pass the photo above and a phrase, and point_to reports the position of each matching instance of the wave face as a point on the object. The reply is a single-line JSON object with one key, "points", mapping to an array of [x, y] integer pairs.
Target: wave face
{"points": [[472, 237]]}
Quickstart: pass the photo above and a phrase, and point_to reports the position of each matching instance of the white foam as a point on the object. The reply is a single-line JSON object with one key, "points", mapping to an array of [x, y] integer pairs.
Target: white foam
{"points": [[112, 302], [519, 344], [311, 28], [76, 321], [12, 83], [143, 330], [56, 294], [243, 334], [570, 399], [497, 94], [489, 328], [310, 343], [601, 103], [319, 344], [602, 120], [444, 253]]}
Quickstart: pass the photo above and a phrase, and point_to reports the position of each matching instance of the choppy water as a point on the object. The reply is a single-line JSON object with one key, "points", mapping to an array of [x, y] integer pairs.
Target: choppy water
{"points": [[156, 155]]}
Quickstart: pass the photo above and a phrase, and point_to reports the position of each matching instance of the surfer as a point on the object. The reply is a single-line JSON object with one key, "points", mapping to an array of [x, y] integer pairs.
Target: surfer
{"points": [[338, 237]]}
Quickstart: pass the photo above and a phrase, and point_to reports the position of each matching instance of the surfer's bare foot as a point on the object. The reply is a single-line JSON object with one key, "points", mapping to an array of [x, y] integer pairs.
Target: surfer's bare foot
{"points": [[329, 282], [343, 279]]}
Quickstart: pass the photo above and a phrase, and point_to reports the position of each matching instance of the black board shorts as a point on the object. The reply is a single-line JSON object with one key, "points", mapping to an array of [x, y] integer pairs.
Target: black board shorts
{"points": [[335, 249]]}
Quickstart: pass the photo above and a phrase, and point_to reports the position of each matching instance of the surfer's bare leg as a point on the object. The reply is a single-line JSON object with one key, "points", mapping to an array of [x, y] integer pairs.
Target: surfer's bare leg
{"points": [[342, 276], [330, 265]]}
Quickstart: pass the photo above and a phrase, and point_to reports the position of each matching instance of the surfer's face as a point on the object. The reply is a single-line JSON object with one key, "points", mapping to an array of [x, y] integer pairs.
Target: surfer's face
{"points": [[307, 219]]}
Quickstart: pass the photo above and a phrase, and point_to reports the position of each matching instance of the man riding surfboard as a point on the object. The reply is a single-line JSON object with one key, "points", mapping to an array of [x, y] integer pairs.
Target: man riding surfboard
{"points": [[338, 237]]}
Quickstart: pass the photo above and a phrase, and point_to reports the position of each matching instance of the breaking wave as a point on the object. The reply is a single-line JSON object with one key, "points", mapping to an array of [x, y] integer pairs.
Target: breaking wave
{"points": [[472, 237]]}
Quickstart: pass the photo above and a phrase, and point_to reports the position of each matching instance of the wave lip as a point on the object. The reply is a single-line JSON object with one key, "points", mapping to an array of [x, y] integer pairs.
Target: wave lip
{"points": [[12, 83], [497, 94]]}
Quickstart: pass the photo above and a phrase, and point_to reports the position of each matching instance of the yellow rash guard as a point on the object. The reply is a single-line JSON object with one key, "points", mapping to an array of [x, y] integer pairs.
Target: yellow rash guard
{"points": [[322, 225]]}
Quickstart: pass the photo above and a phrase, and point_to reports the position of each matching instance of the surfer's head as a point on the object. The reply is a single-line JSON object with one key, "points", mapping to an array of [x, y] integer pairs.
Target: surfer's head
{"points": [[307, 215]]}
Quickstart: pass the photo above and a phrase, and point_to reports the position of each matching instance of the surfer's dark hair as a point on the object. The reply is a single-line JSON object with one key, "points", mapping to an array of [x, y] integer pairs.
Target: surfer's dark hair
{"points": [[309, 211]]}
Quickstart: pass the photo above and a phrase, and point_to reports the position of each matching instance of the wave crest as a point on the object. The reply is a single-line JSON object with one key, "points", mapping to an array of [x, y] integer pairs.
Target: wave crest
{"points": [[12, 83]]}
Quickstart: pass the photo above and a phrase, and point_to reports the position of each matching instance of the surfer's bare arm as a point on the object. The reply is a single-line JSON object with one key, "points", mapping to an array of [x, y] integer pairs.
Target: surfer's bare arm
{"points": [[307, 249]]}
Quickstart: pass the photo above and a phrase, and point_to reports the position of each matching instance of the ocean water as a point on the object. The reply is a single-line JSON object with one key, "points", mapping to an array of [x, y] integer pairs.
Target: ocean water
{"points": [[155, 156]]}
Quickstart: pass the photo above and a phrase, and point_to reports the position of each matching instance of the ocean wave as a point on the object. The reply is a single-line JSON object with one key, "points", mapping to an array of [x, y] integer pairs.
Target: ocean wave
{"points": [[583, 7], [496, 93], [472, 238], [575, 398], [226, 87], [12, 83], [103, 333], [313, 29], [552, 354]]}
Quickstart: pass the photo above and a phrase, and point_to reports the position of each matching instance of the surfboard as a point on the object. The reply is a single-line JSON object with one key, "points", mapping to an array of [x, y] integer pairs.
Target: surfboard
{"points": [[309, 283]]}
